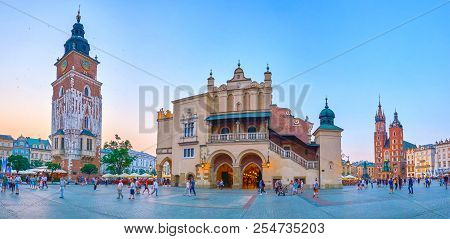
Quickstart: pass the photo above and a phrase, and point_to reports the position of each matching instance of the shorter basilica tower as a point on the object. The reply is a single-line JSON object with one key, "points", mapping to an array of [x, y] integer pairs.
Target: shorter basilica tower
{"points": [[76, 106]]}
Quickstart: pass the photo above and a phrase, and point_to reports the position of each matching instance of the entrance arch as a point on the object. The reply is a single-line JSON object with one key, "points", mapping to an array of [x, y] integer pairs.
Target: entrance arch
{"points": [[222, 169], [251, 168], [251, 175], [225, 172], [165, 169]]}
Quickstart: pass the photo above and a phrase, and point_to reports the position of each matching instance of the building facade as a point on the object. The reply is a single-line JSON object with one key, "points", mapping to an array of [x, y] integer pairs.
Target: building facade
{"points": [[234, 133], [364, 169], [76, 105], [21, 147], [6, 146], [143, 162], [443, 157], [40, 149], [389, 147], [425, 163], [410, 163]]}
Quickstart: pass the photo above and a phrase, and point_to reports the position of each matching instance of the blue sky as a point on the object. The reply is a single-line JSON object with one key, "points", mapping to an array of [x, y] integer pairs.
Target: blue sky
{"points": [[180, 41]]}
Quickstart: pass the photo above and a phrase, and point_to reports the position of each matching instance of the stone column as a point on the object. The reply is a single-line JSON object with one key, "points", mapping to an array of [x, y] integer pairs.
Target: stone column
{"points": [[237, 177]]}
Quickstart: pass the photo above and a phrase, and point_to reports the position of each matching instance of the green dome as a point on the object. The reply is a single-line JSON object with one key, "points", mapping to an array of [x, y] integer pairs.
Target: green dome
{"points": [[326, 115]]}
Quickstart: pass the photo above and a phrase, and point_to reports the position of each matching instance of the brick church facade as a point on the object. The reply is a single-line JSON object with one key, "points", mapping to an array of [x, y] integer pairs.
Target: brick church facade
{"points": [[390, 149]]}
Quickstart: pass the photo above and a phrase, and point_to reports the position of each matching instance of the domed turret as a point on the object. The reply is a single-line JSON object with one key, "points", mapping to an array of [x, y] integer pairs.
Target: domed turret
{"points": [[326, 115], [77, 41]]}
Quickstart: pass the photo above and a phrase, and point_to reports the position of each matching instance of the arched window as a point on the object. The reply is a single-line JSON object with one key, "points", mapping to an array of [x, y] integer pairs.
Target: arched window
{"points": [[230, 103], [251, 129], [86, 122], [61, 91], [87, 91], [225, 130]]}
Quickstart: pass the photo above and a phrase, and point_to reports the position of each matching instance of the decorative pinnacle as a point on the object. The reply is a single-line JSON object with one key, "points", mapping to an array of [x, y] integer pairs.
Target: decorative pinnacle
{"points": [[326, 102], [210, 73], [267, 67], [379, 100], [239, 63], [78, 15]]}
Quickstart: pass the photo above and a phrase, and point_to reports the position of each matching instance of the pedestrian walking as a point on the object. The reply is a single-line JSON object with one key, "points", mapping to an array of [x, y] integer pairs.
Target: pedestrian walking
{"points": [[316, 189], [446, 182], [119, 190], [17, 182], [155, 188], [132, 189], [187, 192], [95, 181], [192, 183], [146, 187], [410, 186], [261, 185], [391, 185], [4, 183], [62, 187]]}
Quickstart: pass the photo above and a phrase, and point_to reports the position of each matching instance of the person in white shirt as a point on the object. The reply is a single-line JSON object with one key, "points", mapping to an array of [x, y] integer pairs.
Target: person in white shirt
{"points": [[188, 188], [119, 190], [155, 187], [62, 187]]}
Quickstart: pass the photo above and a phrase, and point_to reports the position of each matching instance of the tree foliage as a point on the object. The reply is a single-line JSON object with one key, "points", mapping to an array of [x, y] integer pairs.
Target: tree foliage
{"points": [[89, 169], [36, 163], [53, 166], [19, 162], [117, 159]]}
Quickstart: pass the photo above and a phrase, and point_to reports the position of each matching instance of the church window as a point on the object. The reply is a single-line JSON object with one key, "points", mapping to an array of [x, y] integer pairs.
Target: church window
{"points": [[86, 122], [61, 91], [87, 91], [62, 143], [225, 130]]}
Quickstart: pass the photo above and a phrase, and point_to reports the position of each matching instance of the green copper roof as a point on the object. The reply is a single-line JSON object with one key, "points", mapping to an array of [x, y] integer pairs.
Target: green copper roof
{"points": [[87, 132], [239, 116], [330, 127]]}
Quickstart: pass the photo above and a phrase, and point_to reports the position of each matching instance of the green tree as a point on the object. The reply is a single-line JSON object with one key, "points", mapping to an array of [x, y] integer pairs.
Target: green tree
{"points": [[19, 162], [117, 159], [36, 163], [52, 167], [142, 171], [89, 169], [153, 172]]}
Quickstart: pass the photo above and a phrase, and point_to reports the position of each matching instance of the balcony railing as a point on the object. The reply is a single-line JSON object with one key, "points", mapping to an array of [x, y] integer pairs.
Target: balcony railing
{"points": [[234, 137], [88, 153]]}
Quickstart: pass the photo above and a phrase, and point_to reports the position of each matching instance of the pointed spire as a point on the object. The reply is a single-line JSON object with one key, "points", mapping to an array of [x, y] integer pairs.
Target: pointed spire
{"points": [[379, 100], [210, 73], [326, 102], [267, 67], [239, 63], [78, 15]]}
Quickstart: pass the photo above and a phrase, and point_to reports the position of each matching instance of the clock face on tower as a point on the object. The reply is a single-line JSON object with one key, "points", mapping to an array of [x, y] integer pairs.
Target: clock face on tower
{"points": [[64, 65], [85, 64]]}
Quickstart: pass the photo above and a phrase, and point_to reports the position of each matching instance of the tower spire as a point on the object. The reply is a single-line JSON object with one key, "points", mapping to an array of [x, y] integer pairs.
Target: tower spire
{"points": [[78, 15], [326, 102]]}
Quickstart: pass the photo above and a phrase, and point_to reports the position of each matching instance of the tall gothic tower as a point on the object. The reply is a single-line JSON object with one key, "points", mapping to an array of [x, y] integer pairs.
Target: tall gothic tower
{"points": [[76, 106], [380, 137], [396, 147]]}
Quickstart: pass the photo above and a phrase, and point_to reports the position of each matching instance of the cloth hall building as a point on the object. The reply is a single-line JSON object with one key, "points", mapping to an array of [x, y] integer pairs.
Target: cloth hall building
{"points": [[234, 133]]}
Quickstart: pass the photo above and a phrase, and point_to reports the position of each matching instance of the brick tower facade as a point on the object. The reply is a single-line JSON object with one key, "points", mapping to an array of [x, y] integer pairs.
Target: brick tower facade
{"points": [[389, 148], [76, 106]]}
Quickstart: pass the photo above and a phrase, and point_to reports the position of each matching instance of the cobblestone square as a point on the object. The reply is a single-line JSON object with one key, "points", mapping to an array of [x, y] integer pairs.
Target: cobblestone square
{"points": [[83, 202]]}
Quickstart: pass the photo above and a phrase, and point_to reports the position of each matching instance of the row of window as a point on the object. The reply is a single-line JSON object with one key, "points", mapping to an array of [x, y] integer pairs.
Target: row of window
{"points": [[86, 91], [5, 144]]}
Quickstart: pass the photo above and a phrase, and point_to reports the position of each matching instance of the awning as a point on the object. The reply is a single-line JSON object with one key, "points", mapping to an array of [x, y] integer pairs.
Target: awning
{"points": [[239, 116]]}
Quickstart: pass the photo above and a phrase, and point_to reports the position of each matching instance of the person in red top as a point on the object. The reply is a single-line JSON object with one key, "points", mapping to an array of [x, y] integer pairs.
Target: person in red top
{"points": [[146, 187]]}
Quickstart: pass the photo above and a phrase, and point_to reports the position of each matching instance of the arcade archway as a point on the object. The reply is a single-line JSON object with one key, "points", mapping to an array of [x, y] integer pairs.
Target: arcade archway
{"points": [[221, 169], [251, 168], [251, 176], [225, 172]]}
